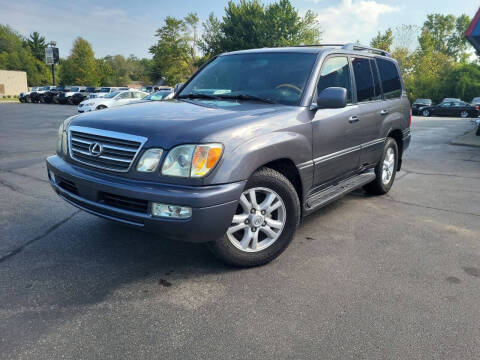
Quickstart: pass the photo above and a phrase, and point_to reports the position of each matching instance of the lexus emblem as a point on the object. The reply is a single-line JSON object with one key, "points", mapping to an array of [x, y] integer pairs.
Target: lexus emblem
{"points": [[95, 149]]}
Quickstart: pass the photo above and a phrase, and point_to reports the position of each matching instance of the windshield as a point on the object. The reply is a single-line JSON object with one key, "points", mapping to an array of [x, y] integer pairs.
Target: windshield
{"points": [[90, 89], [277, 77], [105, 89], [74, 89], [112, 94], [46, 88]]}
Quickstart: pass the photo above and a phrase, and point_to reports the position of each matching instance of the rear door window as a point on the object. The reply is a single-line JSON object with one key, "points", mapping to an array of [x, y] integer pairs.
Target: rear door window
{"points": [[391, 84], [335, 73], [376, 80], [363, 79]]}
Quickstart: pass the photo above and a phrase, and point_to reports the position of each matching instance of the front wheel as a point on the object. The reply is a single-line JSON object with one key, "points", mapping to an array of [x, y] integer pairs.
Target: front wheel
{"points": [[426, 113], [264, 224], [101, 107], [385, 170]]}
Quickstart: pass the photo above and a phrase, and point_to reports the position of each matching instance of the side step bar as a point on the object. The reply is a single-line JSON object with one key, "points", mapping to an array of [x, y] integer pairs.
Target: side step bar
{"points": [[335, 192]]}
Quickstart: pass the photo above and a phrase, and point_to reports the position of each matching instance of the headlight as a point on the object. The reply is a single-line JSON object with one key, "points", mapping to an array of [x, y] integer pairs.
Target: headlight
{"points": [[59, 139], [62, 136], [149, 160], [192, 160], [178, 161]]}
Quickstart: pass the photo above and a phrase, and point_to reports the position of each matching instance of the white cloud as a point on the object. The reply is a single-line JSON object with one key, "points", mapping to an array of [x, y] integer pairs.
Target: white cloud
{"points": [[352, 20]]}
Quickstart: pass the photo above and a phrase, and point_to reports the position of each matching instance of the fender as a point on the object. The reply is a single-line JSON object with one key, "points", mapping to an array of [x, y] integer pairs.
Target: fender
{"points": [[241, 162]]}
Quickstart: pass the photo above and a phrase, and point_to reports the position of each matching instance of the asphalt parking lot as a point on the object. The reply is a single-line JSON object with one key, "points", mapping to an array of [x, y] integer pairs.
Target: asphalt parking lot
{"points": [[386, 277]]}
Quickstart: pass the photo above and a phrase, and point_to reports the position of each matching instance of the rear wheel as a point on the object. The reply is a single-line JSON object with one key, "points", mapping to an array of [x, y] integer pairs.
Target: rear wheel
{"points": [[263, 226], [385, 170], [464, 114]]}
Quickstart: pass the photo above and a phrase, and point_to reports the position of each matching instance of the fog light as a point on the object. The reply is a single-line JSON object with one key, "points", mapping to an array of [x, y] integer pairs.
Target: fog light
{"points": [[51, 176], [171, 211]]}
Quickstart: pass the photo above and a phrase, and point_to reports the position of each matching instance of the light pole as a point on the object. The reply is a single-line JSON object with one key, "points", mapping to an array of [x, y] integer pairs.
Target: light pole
{"points": [[52, 57]]}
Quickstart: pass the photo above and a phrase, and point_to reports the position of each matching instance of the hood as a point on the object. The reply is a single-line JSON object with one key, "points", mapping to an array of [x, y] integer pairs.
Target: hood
{"points": [[169, 123]]}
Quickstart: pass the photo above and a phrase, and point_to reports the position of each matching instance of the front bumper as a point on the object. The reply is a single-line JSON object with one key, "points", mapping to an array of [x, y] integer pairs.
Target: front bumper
{"points": [[212, 206]]}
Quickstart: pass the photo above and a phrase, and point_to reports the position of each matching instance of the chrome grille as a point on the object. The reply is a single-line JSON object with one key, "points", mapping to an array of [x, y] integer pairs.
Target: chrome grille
{"points": [[119, 150]]}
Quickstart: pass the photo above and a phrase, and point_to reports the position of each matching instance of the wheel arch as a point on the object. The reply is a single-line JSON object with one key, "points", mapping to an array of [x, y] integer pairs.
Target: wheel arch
{"points": [[397, 135]]}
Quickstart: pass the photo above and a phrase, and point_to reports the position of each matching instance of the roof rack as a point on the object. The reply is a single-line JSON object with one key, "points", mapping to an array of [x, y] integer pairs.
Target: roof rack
{"points": [[351, 47]]}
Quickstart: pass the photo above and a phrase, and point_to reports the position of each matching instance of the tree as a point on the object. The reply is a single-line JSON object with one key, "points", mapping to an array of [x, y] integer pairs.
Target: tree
{"points": [[173, 53], [211, 42], [383, 42], [445, 34], [249, 24], [37, 45], [80, 68], [15, 54], [462, 82]]}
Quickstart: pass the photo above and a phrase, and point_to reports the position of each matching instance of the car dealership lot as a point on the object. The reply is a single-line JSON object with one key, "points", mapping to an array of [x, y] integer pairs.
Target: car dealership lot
{"points": [[366, 277]]}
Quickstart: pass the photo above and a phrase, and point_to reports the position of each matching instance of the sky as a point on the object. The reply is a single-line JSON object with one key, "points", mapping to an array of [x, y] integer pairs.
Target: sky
{"points": [[128, 26]]}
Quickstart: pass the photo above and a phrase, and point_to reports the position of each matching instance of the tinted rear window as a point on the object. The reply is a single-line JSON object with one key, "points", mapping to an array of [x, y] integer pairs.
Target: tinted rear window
{"points": [[392, 87], [363, 79]]}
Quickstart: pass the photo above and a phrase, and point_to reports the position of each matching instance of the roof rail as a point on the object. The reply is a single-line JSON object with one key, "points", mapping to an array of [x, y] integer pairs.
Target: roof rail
{"points": [[352, 46], [349, 46]]}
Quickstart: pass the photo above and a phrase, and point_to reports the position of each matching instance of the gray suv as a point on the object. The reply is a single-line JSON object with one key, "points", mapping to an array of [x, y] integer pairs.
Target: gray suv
{"points": [[252, 142]]}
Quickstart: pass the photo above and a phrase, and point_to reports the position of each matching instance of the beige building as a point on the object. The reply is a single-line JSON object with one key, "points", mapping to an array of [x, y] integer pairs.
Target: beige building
{"points": [[13, 82]]}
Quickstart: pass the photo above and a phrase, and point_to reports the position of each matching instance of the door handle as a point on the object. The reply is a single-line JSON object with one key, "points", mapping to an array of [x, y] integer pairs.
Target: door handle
{"points": [[353, 119], [384, 112]]}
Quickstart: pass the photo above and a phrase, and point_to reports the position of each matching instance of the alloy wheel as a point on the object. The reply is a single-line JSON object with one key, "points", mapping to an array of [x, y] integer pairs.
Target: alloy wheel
{"points": [[259, 220], [388, 165]]}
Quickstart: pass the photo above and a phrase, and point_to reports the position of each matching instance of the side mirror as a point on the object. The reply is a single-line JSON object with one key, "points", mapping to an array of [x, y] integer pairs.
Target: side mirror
{"points": [[332, 98], [178, 87]]}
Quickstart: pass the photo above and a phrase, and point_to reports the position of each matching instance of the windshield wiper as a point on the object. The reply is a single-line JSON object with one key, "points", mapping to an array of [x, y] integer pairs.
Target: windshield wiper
{"points": [[247, 97], [197, 96]]}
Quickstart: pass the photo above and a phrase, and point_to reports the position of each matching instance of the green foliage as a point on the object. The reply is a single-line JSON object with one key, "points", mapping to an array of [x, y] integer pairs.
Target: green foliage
{"points": [[445, 34], [118, 71], [249, 24], [37, 45], [463, 81], [15, 54], [174, 53], [384, 41], [80, 67], [438, 67]]}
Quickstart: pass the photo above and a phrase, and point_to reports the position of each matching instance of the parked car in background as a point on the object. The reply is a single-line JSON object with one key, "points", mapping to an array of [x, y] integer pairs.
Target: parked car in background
{"points": [[158, 95], [78, 97], [451, 99], [36, 96], [455, 108], [25, 96], [116, 98], [104, 91], [51, 95], [420, 103], [475, 101], [253, 141], [65, 97]]}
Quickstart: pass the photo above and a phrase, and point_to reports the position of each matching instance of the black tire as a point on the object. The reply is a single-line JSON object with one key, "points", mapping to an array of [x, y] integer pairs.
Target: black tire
{"points": [[101, 107], [273, 180], [426, 113], [377, 187]]}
